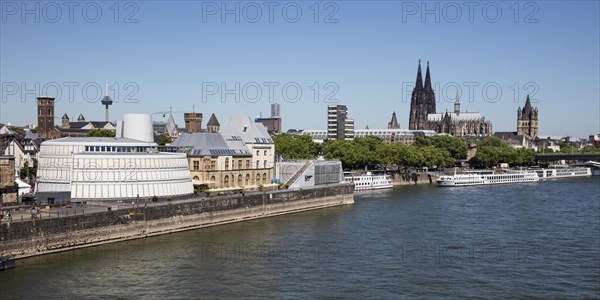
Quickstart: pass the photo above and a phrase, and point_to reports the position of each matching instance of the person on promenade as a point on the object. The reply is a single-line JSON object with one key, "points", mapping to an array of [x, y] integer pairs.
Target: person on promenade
{"points": [[9, 216], [1, 215]]}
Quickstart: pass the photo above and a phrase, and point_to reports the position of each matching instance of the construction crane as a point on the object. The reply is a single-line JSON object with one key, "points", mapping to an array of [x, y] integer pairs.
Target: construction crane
{"points": [[164, 113]]}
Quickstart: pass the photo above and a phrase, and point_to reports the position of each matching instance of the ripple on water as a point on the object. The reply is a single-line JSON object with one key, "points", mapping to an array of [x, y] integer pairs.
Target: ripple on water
{"points": [[537, 240]]}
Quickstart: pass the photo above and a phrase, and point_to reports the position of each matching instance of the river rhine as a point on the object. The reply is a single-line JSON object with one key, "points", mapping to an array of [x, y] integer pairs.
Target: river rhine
{"points": [[520, 240]]}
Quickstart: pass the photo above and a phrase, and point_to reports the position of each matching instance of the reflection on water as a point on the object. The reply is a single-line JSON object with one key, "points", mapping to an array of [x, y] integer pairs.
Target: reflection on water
{"points": [[525, 240]]}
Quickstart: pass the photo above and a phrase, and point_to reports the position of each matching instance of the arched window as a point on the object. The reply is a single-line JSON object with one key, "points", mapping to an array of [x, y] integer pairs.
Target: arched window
{"points": [[226, 181], [227, 163], [265, 178], [257, 178], [247, 179], [239, 183], [196, 178], [212, 178]]}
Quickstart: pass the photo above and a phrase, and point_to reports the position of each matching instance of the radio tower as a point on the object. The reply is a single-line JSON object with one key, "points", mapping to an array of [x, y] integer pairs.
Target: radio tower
{"points": [[106, 101]]}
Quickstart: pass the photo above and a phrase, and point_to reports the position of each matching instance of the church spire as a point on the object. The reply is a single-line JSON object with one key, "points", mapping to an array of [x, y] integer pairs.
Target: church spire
{"points": [[527, 108], [427, 78], [419, 84], [393, 124], [457, 104]]}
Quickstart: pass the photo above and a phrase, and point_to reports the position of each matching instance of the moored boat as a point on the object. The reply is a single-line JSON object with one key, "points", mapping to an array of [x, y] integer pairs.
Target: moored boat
{"points": [[369, 181], [486, 179], [567, 172]]}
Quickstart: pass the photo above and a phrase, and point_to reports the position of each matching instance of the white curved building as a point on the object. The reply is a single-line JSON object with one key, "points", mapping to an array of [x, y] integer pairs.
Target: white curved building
{"points": [[105, 168]]}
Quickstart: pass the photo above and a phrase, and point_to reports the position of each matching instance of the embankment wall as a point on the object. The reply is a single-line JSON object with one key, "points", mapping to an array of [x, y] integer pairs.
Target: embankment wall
{"points": [[37, 237]]}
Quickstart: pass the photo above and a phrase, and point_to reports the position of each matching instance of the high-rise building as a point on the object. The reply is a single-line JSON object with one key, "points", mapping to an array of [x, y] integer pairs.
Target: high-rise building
{"points": [[193, 122], [339, 126], [527, 120], [273, 124], [275, 110], [422, 101]]}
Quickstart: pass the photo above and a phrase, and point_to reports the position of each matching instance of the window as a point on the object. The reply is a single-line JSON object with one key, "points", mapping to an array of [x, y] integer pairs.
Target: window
{"points": [[196, 165], [239, 164], [247, 164], [264, 178], [247, 179], [227, 163], [226, 181], [239, 181], [265, 152], [213, 164], [257, 152], [257, 162], [265, 164]]}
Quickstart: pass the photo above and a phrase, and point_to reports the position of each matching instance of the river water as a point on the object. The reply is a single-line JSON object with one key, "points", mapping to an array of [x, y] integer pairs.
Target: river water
{"points": [[521, 240]]}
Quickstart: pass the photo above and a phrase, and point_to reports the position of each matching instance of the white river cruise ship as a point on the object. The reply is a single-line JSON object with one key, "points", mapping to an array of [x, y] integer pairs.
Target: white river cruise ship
{"points": [[484, 179], [369, 181], [565, 172]]}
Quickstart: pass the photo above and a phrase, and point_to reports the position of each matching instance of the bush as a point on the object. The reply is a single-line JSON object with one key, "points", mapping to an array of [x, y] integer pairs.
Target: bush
{"points": [[207, 192], [261, 187], [154, 198], [169, 198], [195, 191]]}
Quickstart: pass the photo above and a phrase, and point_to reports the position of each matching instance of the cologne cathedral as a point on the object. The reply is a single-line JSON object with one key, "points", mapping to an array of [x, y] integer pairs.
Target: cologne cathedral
{"points": [[424, 117]]}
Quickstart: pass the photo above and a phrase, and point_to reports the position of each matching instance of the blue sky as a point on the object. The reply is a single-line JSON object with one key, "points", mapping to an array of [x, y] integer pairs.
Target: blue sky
{"points": [[363, 54]]}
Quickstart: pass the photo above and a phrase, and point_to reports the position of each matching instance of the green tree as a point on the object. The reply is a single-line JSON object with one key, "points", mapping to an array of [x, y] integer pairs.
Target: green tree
{"points": [[454, 145], [164, 139], [296, 146], [491, 151], [98, 132], [591, 149], [27, 172]]}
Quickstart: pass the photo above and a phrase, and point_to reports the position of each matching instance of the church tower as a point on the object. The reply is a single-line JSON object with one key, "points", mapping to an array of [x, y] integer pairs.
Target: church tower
{"points": [[422, 101], [429, 95], [457, 104], [393, 124], [45, 116], [527, 120], [65, 121]]}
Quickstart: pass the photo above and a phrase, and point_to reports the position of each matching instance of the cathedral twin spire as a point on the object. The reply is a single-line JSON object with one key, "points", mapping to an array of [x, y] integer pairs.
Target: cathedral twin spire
{"points": [[422, 100], [419, 83]]}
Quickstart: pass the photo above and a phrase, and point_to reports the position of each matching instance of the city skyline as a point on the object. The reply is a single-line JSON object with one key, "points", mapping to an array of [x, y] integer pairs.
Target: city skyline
{"points": [[191, 56]]}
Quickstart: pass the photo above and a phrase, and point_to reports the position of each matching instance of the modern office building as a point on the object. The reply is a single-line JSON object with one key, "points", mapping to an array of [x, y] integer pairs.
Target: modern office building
{"points": [[339, 126], [404, 136]]}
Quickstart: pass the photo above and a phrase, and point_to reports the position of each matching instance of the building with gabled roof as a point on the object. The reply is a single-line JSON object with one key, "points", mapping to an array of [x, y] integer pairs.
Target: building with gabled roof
{"points": [[242, 154]]}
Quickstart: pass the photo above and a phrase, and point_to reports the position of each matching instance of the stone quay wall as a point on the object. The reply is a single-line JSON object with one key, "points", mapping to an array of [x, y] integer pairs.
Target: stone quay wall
{"points": [[37, 237]]}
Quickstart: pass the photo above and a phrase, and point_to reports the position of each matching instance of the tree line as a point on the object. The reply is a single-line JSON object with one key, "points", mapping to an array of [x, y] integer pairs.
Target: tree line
{"points": [[372, 152]]}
